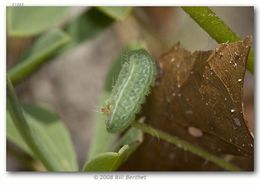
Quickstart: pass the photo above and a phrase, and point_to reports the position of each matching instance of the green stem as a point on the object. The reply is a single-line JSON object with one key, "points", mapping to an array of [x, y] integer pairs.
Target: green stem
{"points": [[216, 28], [22, 126], [42, 50], [186, 146]]}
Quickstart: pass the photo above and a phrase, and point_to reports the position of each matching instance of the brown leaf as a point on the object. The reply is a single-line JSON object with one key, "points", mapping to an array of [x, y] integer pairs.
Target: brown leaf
{"points": [[198, 97]]}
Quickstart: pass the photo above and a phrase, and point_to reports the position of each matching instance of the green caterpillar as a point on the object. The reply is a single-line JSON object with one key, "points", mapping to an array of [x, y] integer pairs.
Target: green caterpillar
{"points": [[133, 84]]}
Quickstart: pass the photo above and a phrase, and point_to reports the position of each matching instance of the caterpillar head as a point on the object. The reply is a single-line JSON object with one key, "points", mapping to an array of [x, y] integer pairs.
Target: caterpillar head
{"points": [[106, 110]]}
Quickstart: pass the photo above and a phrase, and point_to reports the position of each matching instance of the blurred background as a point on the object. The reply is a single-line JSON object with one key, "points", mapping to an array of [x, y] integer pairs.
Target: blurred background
{"points": [[71, 82]]}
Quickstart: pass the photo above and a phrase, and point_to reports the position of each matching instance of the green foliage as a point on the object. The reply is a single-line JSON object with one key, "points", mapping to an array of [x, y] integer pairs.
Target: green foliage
{"points": [[55, 154], [133, 135], [212, 24], [117, 12], [110, 161], [41, 134], [250, 62], [216, 28], [87, 26], [43, 49], [30, 21], [92, 22], [51, 133]]}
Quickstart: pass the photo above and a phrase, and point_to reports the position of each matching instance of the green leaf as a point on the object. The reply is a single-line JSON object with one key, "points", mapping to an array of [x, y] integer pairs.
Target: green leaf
{"points": [[102, 140], [87, 26], [93, 22], [216, 28], [110, 161], [14, 136], [132, 136], [30, 21], [117, 12], [50, 134], [25, 130], [43, 49], [250, 62]]}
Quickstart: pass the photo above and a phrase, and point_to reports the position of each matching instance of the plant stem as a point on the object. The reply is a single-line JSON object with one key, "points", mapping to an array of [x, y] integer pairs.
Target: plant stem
{"points": [[216, 28], [22, 126], [43, 49], [186, 146]]}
